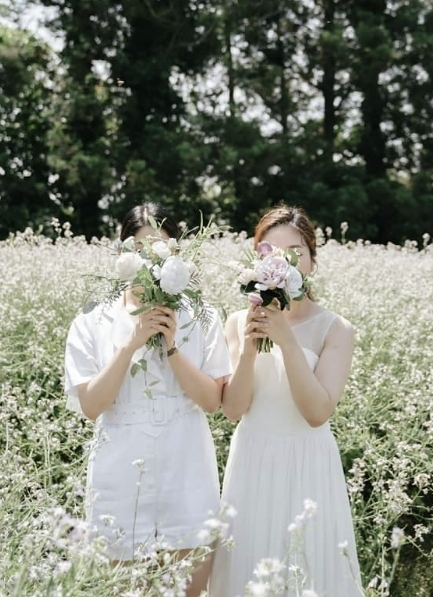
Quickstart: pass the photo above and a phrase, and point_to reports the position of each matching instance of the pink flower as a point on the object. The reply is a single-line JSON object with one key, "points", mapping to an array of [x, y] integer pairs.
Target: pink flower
{"points": [[264, 248], [255, 299], [271, 272]]}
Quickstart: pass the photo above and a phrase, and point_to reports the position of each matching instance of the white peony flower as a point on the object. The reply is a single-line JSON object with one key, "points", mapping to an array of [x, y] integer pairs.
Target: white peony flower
{"points": [[175, 275], [129, 243], [161, 248], [293, 286], [156, 272], [127, 265]]}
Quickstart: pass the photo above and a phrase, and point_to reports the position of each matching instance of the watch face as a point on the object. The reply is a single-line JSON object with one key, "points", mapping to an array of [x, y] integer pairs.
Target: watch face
{"points": [[172, 351]]}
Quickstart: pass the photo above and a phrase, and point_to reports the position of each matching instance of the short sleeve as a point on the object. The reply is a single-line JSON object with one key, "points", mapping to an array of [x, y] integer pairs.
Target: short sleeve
{"points": [[80, 361], [216, 359]]}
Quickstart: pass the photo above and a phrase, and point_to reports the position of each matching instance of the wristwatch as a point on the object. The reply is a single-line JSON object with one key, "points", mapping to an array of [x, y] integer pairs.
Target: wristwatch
{"points": [[173, 350]]}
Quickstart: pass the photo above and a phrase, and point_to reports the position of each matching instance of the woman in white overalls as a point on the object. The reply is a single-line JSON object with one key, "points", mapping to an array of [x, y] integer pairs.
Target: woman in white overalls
{"points": [[152, 476]]}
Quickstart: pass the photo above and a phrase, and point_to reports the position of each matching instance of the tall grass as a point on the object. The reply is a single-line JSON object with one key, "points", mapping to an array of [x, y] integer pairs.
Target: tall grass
{"points": [[384, 423]]}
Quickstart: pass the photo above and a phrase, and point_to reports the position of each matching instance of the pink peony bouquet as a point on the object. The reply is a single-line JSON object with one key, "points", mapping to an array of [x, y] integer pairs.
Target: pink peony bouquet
{"points": [[270, 272]]}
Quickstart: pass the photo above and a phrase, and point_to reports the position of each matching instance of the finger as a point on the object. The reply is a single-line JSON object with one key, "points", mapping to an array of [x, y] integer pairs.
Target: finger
{"points": [[259, 320], [165, 310], [256, 335], [254, 316], [165, 321]]}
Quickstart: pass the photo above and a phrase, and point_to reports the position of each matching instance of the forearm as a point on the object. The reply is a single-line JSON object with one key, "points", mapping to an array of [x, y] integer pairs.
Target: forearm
{"points": [[238, 392], [198, 386], [100, 393], [313, 401]]}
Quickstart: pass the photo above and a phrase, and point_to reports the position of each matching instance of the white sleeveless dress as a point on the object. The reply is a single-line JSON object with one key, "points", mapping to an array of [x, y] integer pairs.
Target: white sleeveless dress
{"points": [[276, 462]]}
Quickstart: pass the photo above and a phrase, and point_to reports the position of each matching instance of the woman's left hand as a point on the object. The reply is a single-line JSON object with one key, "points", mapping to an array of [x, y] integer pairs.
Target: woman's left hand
{"points": [[278, 329], [166, 323]]}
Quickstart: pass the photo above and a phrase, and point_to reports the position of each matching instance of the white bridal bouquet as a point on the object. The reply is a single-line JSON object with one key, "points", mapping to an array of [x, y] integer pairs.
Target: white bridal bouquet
{"points": [[270, 272], [162, 273]]}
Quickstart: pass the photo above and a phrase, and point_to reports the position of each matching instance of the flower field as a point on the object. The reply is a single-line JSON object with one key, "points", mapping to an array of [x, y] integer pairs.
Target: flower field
{"points": [[384, 423]]}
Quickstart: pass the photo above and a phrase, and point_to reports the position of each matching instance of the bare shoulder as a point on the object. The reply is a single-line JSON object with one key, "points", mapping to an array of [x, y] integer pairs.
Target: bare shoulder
{"points": [[340, 331], [232, 324], [233, 319]]}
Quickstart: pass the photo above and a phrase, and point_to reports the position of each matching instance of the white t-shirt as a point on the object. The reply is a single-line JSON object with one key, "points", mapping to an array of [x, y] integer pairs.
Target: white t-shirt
{"points": [[168, 432], [96, 334]]}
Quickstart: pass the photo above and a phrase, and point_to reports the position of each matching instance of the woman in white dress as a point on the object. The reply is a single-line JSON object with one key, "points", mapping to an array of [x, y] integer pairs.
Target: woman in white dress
{"points": [[284, 468], [152, 475]]}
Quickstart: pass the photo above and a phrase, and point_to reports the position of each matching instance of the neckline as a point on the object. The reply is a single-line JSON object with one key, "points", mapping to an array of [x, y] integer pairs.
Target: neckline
{"points": [[295, 325]]}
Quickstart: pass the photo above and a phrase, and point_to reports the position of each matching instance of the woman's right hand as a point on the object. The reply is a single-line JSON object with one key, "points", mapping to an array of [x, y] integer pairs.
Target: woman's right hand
{"points": [[145, 328], [255, 328]]}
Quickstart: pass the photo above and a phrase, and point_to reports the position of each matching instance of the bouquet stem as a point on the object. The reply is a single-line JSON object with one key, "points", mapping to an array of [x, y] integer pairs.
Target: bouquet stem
{"points": [[264, 345], [156, 342]]}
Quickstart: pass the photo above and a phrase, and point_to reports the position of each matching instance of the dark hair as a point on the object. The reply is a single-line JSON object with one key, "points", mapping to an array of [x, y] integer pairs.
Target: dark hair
{"points": [[298, 218], [138, 216]]}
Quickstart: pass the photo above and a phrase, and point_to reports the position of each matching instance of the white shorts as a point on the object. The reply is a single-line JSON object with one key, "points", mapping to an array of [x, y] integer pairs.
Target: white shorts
{"points": [[146, 489]]}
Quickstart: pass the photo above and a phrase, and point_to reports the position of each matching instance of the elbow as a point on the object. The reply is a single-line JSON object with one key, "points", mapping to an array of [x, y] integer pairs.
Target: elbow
{"points": [[89, 413], [89, 410], [231, 416], [318, 418], [315, 421], [212, 408], [214, 398], [231, 413], [233, 407]]}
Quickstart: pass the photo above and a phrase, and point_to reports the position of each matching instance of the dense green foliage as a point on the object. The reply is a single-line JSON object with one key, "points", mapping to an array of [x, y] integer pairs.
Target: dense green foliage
{"points": [[384, 423], [227, 107]]}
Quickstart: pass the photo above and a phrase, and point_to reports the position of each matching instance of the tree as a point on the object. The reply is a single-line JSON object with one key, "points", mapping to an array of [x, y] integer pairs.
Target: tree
{"points": [[25, 198], [80, 149]]}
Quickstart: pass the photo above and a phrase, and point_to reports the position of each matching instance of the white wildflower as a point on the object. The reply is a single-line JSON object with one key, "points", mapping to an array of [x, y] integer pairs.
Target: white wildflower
{"points": [[213, 523], [228, 511], [397, 538], [108, 520], [267, 567], [343, 547], [310, 508], [257, 589]]}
